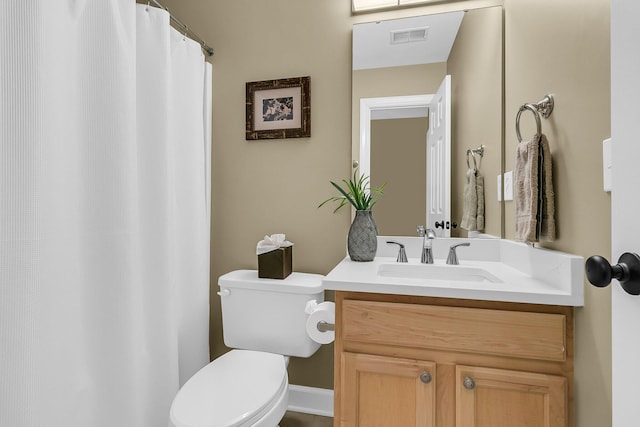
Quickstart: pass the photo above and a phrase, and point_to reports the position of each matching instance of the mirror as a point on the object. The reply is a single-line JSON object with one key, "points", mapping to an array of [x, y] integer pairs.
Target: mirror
{"points": [[399, 61]]}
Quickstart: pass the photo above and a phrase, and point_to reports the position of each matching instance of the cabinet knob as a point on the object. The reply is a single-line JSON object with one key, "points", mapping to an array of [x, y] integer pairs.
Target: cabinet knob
{"points": [[469, 383], [627, 272], [425, 377]]}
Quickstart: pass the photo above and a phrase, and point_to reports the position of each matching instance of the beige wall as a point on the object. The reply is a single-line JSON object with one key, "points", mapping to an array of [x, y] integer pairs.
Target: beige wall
{"points": [[265, 187], [562, 47], [398, 154], [551, 46], [475, 66]]}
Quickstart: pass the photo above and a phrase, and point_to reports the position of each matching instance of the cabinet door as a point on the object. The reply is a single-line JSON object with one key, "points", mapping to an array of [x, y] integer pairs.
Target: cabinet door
{"points": [[488, 397], [382, 391]]}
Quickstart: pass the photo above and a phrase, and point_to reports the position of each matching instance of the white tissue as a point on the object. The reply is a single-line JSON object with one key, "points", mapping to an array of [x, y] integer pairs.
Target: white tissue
{"points": [[271, 243], [323, 312]]}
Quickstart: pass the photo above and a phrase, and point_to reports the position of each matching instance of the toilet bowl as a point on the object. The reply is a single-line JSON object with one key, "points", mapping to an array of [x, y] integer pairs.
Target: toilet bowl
{"points": [[241, 388], [265, 321]]}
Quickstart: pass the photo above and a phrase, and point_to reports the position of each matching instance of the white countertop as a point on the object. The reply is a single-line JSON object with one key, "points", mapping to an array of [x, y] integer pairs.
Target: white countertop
{"points": [[525, 274]]}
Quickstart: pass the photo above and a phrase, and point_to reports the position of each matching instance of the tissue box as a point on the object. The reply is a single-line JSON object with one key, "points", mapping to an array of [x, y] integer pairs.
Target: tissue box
{"points": [[275, 264]]}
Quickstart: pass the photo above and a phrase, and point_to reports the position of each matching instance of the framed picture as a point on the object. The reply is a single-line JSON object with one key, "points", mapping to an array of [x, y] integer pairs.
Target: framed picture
{"points": [[278, 109]]}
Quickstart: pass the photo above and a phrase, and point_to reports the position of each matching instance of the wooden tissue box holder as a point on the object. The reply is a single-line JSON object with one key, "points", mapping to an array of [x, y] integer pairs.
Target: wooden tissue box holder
{"points": [[275, 264]]}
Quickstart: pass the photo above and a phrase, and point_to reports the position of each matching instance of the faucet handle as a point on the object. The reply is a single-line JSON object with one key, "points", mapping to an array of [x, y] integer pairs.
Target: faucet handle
{"points": [[452, 259], [402, 255], [421, 230], [460, 244]]}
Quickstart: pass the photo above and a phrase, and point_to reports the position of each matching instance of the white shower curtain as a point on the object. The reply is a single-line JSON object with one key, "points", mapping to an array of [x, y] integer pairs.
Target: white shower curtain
{"points": [[104, 213]]}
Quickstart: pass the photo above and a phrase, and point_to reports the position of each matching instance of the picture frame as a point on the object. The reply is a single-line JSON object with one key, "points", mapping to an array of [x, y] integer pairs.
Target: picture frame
{"points": [[278, 109]]}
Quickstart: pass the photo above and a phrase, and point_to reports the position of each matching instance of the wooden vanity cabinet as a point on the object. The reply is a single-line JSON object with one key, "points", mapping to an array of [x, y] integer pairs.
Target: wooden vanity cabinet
{"points": [[435, 362], [387, 391]]}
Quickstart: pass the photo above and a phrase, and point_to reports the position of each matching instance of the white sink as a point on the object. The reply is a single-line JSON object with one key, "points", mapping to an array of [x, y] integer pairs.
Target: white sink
{"points": [[490, 269], [428, 272]]}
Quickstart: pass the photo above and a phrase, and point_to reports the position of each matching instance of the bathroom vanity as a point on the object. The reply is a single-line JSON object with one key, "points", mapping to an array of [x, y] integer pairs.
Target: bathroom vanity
{"points": [[436, 350]]}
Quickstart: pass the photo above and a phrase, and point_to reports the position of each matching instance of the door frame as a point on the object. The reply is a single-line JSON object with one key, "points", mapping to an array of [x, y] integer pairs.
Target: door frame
{"points": [[392, 104]]}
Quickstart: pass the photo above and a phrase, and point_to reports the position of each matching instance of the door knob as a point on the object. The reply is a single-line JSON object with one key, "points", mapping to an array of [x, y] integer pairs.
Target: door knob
{"points": [[446, 225], [626, 271]]}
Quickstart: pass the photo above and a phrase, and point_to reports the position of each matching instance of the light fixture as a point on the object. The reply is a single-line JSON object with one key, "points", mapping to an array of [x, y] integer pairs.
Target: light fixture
{"points": [[364, 5], [359, 5], [403, 2]]}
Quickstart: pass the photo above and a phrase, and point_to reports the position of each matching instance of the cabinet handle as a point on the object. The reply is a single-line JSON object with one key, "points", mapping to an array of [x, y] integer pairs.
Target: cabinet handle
{"points": [[425, 377], [469, 383]]}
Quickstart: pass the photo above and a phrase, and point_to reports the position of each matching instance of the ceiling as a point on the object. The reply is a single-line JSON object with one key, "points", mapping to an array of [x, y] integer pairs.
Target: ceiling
{"points": [[373, 47]]}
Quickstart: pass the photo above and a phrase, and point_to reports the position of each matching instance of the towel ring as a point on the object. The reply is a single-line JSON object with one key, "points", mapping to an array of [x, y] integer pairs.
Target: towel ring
{"points": [[475, 164], [479, 151], [533, 109], [543, 107]]}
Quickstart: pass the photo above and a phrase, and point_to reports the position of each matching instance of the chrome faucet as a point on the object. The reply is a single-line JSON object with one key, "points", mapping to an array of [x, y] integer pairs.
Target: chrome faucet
{"points": [[402, 255], [428, 235], [452, 259]]}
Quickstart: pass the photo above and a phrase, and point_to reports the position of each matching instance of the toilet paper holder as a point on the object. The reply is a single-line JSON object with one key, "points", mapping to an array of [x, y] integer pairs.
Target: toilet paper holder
{"points": [[325, 326], [322, 325]]}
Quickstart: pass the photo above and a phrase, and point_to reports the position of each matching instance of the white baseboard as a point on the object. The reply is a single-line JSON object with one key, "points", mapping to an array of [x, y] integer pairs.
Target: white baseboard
{"points": [[311, 400]]}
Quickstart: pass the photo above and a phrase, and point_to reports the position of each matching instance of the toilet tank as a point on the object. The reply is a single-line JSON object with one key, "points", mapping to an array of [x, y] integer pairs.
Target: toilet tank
{"points": [[268, 314]]}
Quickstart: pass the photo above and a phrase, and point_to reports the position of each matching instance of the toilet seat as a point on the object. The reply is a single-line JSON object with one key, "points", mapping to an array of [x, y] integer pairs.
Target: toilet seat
{"points": [[235, 390]]}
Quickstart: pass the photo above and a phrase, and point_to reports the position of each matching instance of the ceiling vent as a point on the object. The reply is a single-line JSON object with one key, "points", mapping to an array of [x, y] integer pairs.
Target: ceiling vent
{"points": [[409, 36]]}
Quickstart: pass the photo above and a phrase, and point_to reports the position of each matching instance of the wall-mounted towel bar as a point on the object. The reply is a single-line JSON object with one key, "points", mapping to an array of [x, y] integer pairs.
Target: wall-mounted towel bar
{"points": [[472, 152], [543, 108]]}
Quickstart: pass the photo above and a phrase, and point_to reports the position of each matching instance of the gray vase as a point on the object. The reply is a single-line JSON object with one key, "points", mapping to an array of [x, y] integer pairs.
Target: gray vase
{"points": [[362, 241]]}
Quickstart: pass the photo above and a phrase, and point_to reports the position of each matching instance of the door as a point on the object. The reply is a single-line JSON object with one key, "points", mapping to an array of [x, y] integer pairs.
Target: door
{"points": [[439, 160], [383, 391], [488, 397], [625, 204]]}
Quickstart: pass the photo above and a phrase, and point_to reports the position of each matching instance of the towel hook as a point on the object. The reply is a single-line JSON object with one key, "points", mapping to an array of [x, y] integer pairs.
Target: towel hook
{"points": [[543, 108]]}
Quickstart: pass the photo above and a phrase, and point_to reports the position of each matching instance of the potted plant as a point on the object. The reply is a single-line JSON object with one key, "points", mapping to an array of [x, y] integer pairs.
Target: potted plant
{"points": [[362, 241]]}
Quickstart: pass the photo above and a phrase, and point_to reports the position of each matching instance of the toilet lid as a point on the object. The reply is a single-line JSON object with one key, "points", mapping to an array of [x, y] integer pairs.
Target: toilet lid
{"points": [[231, 390]]}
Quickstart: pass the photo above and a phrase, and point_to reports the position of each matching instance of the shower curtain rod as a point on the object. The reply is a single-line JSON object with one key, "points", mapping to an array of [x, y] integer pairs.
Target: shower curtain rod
{"points": [[183, 28]]}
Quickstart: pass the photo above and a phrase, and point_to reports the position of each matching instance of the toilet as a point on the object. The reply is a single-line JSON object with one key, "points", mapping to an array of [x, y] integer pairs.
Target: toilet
{"points": [[264, 321]]}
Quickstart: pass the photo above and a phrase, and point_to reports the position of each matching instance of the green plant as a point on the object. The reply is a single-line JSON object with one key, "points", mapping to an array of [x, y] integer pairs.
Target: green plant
{"points": [[357, 192]]}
